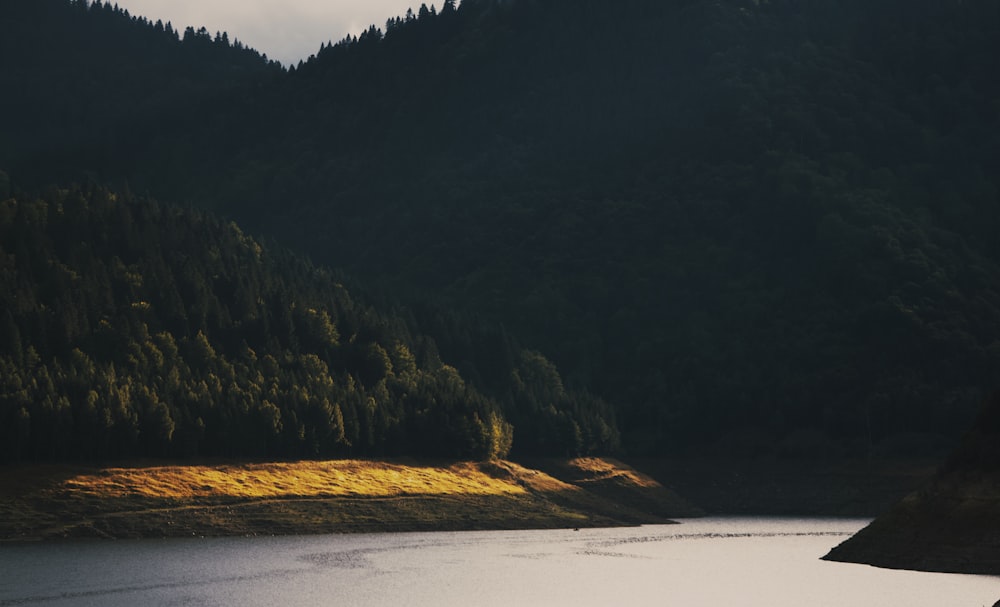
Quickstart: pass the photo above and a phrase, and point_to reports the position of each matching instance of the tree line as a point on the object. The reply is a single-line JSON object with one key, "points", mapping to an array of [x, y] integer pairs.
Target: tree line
{"points": [[758, 226], [131, 328]]}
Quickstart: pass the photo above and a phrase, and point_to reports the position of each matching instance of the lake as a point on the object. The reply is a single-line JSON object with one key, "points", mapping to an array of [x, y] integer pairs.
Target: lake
{"points": [[746, 562]]}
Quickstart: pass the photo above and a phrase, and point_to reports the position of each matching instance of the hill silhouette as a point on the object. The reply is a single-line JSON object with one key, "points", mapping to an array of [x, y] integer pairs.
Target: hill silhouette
{"points": [[767, 227]]}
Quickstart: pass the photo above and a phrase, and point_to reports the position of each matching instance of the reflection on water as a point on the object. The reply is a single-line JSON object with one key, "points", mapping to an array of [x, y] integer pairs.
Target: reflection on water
{"points": [[716, 561]]}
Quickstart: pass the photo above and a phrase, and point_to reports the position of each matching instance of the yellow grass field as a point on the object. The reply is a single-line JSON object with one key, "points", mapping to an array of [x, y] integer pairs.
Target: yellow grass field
{"points": [[336, 496], [337, 478]]}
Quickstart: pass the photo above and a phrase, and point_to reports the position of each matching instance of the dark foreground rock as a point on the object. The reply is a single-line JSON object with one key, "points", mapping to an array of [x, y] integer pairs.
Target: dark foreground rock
{"points": [[950, 525]]}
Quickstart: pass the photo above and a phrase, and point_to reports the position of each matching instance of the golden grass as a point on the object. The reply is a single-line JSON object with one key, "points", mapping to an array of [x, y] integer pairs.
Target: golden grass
{"points": [[59, 501], [337, 478], [533, 480], [600, 469]]}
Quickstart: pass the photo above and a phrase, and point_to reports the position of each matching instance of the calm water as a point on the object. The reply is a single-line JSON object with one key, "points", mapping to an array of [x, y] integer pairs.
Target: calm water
{"points": [[712, 562]]}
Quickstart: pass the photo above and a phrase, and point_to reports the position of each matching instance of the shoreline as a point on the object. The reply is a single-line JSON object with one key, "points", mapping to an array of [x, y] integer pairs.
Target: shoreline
{"points": [[63, 502]]}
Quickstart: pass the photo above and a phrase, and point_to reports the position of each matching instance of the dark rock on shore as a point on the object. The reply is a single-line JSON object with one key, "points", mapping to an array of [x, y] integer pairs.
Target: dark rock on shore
{"points": [[950, 525]]}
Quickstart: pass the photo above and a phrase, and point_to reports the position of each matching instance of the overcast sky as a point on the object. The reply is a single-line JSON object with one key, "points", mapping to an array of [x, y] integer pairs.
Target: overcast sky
{"points": [[287, 30]]}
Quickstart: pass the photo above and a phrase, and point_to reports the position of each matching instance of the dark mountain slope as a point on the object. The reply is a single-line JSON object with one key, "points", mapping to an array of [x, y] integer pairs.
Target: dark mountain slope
{"points": [[88, 86], [741, 222], [720, 216]]}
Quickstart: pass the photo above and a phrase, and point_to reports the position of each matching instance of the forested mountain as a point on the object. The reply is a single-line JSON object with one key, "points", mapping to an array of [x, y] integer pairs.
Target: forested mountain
{"points": [[742, 222], [86, 81], [131, 328]]}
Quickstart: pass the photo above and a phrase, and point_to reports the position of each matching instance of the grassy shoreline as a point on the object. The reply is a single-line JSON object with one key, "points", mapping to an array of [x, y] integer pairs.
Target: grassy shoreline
{"points": [[46, 502]]}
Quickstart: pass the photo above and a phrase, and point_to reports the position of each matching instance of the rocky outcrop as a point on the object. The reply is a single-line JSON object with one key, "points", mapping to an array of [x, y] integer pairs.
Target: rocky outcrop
{"points": [[952, 524]]}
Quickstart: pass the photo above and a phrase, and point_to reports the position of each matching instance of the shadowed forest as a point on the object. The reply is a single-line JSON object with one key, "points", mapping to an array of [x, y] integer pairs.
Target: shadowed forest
{"points": [[565, 227]]}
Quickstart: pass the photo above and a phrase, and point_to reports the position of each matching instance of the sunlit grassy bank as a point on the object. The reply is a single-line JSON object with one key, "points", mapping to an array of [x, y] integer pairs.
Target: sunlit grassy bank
{"points": [[338, 478], [39, 502]]}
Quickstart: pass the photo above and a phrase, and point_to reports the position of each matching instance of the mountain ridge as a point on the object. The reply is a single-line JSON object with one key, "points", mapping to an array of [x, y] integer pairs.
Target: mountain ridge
{"points": [[738, 221]]}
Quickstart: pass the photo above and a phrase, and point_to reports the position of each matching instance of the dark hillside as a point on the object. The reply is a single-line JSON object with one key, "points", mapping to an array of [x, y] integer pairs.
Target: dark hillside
{"points": [[88, 86], [743, 223]]}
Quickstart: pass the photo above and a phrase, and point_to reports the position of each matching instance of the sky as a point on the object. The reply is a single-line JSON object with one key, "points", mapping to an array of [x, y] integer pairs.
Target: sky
{"points": [[286, 30]]}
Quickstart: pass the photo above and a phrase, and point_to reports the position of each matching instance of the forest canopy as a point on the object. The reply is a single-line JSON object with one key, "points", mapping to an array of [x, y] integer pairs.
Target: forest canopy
{"points": [[131, 328], [755, 226]]}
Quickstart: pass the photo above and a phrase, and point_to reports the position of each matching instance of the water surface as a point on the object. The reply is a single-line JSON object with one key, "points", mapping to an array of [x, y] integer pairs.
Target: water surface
{"points": [[713, 561]]}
